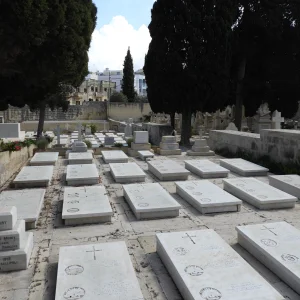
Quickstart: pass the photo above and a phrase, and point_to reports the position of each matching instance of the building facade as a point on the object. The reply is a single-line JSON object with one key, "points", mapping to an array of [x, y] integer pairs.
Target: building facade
{"points": [[115, 76], [140, 85]]}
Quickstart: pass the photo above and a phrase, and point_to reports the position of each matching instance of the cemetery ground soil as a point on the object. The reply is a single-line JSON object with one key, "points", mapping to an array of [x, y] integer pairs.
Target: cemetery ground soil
{"points": [[39, 281]]}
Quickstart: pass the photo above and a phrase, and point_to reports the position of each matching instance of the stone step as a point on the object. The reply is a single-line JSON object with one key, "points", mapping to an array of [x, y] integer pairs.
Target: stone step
{"points": [[204, 266], [86, 205], [275, 245], [259, 194], [206, 197], [97, 271], [243, 167], [150, 201], [11, 239], [16, 260]]}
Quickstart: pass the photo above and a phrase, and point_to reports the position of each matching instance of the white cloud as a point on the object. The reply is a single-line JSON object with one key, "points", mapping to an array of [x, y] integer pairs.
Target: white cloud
{"points": [[110, 43]]}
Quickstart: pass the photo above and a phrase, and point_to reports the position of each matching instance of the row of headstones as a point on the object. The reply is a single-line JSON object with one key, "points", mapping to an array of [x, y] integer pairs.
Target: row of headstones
{"points": [[200, 262]]}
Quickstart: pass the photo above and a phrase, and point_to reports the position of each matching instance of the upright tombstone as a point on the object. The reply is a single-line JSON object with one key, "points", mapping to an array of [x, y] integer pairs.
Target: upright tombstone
{"points": [[128, 129], [140, 143], [79, 146], [169, 146], [277, 120], [79, 126], [15, 244], [263, 118], [109, 141], [200, 147], [205, 267], [275, 245], [11, 130], [232, 127], [97, 271], [58, 134]]}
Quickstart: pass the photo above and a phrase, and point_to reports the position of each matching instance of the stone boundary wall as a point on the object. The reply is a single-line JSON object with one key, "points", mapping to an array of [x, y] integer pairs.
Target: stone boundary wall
{"points": [[86, 111], [280, 145], [11, 162]]}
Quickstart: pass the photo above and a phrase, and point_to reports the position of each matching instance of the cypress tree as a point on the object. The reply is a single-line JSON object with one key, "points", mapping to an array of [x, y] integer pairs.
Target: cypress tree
{"points": [[128, 78]]}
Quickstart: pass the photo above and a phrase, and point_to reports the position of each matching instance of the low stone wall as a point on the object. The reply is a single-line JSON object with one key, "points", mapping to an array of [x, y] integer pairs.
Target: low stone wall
{"points": [[64, 125], [280, 145], [11, 162]]}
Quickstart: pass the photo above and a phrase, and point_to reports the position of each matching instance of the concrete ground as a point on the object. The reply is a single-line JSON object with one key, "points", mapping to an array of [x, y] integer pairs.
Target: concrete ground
{"points": [[39, 281]]}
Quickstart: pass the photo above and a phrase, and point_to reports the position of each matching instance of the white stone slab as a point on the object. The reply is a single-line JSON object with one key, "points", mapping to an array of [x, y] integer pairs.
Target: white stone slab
{"points": [[28, 202], [167, 170], [115, 156], [277, 246], [82, 174], [8, 217], [150, 200], [205, 267], [16, 260], [44, 159], [109, 140], [259, 194], [86, 205], [207, 197], [34, 176], [80, 158], [127, 172], [287, 183], [243, 167], [141, 137], [206, 169], [97, 271], [145, 154], [11, 239], [168, 139]]}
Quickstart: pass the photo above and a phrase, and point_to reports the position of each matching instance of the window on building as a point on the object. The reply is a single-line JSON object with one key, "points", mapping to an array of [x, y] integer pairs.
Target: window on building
{"points": [[90, 100], [96, 90], [85, 90], [92, 88], [77, 102], [105, 89]]}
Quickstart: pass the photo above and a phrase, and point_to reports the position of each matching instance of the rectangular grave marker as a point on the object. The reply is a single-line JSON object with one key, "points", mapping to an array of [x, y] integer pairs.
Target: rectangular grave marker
{"points": [[277, 246], [82, 174], [207, 197], [259, 194], [150, 200], [287, 183], [86, 205], [114, 156], [80, 158], [204, 266], [44, 159], [243, 167], [127, 172], [97, 271]]}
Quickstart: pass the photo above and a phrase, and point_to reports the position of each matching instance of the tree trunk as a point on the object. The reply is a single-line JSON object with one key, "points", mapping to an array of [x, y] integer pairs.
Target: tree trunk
{"points": [[239, 94], [186, 126], [172, 117], [41, 121]]}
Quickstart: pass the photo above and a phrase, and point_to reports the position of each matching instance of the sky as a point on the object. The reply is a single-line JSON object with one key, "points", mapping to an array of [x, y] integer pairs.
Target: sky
{"points": [[120, 24]]}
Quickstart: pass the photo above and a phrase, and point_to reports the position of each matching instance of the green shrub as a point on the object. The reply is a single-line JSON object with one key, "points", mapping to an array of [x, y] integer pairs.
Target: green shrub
{"points": [[129, 141], [28, 142], [93, 128], [88, 143], [42, 143], [118, 145]]}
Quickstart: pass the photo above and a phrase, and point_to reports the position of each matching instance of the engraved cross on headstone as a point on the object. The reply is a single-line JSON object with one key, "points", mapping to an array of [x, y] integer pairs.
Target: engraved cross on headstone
{"points": [[190, 237], [94, 251], [269, 229]]}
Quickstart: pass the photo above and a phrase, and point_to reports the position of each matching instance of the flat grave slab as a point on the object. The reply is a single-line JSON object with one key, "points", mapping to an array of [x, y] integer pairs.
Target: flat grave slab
{"points": [[277, 246], [97, 271], [150, 201], [206, 169], [28, 202], [127, 172], [34, 176], [82, 174], [243, 167], [145, 154], [86, 205], [80, 158], [287, 183], [204, 266], [167, 170], [207, 197], [259, 194], [115, 156], [17, 259], [44, 159]]}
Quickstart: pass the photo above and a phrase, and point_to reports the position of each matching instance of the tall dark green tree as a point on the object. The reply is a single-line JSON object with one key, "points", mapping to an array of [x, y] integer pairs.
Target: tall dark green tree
{"points": [[43, 71], [266, 56], [128, 78], [189, 57]]}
